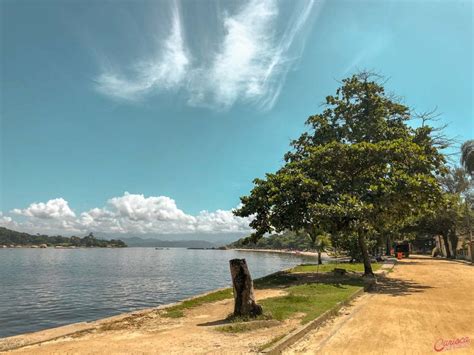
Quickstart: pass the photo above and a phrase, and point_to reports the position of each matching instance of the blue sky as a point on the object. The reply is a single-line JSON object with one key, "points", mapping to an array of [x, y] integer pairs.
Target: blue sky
{"points": [[182, 104]]}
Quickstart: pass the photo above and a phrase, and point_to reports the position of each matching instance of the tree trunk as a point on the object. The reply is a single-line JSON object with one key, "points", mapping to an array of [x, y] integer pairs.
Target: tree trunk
{"points": [[365, 255], [388, 247], [472, 250], [454, 243], [244, 298], [446, 245], [319, 258]]}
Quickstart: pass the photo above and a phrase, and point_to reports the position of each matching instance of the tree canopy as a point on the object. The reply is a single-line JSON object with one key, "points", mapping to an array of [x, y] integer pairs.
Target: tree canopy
{"points": [[467, 156], [359, 169]]}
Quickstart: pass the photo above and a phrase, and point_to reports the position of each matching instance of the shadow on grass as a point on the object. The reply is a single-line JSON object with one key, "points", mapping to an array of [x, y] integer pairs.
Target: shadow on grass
{"points": [[285, 279], [384, 285]]}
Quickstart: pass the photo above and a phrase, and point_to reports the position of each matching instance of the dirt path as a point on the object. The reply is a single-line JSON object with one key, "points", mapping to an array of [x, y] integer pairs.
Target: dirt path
{"points": [[153, 334], [420, 302]]}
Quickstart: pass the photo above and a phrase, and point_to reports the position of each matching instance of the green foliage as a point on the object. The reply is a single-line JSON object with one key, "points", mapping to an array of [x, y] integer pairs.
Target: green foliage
{"points": [[467, 156], [349, 243], [452, 214], [285, 240], [359, 170], [10, 237]]}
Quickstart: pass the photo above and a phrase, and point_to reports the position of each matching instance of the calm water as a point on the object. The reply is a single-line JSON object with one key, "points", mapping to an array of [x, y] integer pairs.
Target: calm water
{"points": [[44, 288]]}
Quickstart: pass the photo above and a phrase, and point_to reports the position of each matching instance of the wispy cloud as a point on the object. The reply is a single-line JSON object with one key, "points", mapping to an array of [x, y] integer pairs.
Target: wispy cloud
{"points": [[242, 66], [166, 70], [373, 45], [250, 63]]}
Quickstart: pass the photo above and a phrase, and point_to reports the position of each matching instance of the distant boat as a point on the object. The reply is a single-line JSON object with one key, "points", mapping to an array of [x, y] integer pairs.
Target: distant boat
{"points": [[158, 248]]}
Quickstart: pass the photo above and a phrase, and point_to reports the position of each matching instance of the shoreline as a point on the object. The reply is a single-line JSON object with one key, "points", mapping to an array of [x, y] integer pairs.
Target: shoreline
{"points": [[325, 256], [40, 336], [49, 334], [283, 251], [72, 330]]}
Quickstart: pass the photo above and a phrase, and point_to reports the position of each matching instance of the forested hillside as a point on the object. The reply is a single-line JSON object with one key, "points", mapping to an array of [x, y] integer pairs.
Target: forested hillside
{"points": [[10, 237]]}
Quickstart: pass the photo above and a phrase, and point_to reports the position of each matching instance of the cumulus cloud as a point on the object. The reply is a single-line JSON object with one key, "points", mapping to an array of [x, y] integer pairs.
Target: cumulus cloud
{"points": [[221, 221], [250, 64], [6, 221], [130, 213], [57, 208]]}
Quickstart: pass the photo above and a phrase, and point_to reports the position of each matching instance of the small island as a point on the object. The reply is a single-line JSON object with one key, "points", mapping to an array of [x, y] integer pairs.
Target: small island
{"points": [[13, 239]]}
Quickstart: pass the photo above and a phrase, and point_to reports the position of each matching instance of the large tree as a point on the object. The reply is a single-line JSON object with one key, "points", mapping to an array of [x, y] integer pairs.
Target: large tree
{"points": [[467, 156], [357, 169]]}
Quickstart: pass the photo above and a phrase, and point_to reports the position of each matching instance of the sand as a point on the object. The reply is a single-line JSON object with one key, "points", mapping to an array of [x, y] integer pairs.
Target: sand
{"points": [[422, 301], [153, 334]]}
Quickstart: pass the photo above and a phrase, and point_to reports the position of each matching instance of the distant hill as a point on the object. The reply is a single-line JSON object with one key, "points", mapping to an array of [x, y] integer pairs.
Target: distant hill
{"points": [[150, 242], [10, 237], [216, 239]]}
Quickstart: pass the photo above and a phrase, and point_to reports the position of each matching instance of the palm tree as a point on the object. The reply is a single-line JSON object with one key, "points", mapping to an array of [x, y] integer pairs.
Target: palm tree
{"points": [[322, 243], [467, 156]]}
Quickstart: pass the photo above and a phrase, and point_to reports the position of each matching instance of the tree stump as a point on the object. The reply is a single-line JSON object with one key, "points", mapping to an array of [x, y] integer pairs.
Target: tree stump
{"points": [[244, 298]]}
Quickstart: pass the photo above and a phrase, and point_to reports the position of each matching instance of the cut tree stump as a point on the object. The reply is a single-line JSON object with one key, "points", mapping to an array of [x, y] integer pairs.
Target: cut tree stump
{"points": [[244, 297]]}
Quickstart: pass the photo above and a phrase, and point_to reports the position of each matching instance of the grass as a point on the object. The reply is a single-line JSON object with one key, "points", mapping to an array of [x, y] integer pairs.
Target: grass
{"points": [[247, 326], [357, 267], [310, 299], [274, 281], [177, 311]]}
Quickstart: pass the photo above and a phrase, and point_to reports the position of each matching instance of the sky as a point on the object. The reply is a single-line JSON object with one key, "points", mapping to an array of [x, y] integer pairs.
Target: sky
{"points": [[153, 117]]}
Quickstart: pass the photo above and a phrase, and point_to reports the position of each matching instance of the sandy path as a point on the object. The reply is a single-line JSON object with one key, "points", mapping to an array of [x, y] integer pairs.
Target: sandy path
{"points": [[153, 334], [421, 301]]}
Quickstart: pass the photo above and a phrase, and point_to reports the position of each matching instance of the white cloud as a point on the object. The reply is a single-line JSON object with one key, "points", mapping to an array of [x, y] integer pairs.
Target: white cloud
{"points": [[253, 61], [166, 70], [250, 64], [221, 221], [141, 208], [242, 65], [57, 208], [6, 221], [130, 213]]}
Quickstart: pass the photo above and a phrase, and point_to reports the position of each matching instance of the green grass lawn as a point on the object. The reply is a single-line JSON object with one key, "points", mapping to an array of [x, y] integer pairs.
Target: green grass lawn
{"points": [[311, 299], [357, 267]]}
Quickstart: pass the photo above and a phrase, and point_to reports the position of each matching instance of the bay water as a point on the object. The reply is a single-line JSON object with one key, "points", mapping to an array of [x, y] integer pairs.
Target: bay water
{"points": [[45, 288]]}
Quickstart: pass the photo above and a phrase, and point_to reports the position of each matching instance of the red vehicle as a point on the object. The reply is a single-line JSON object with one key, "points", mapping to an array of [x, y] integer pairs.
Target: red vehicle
{"points": [[402, 247]]}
